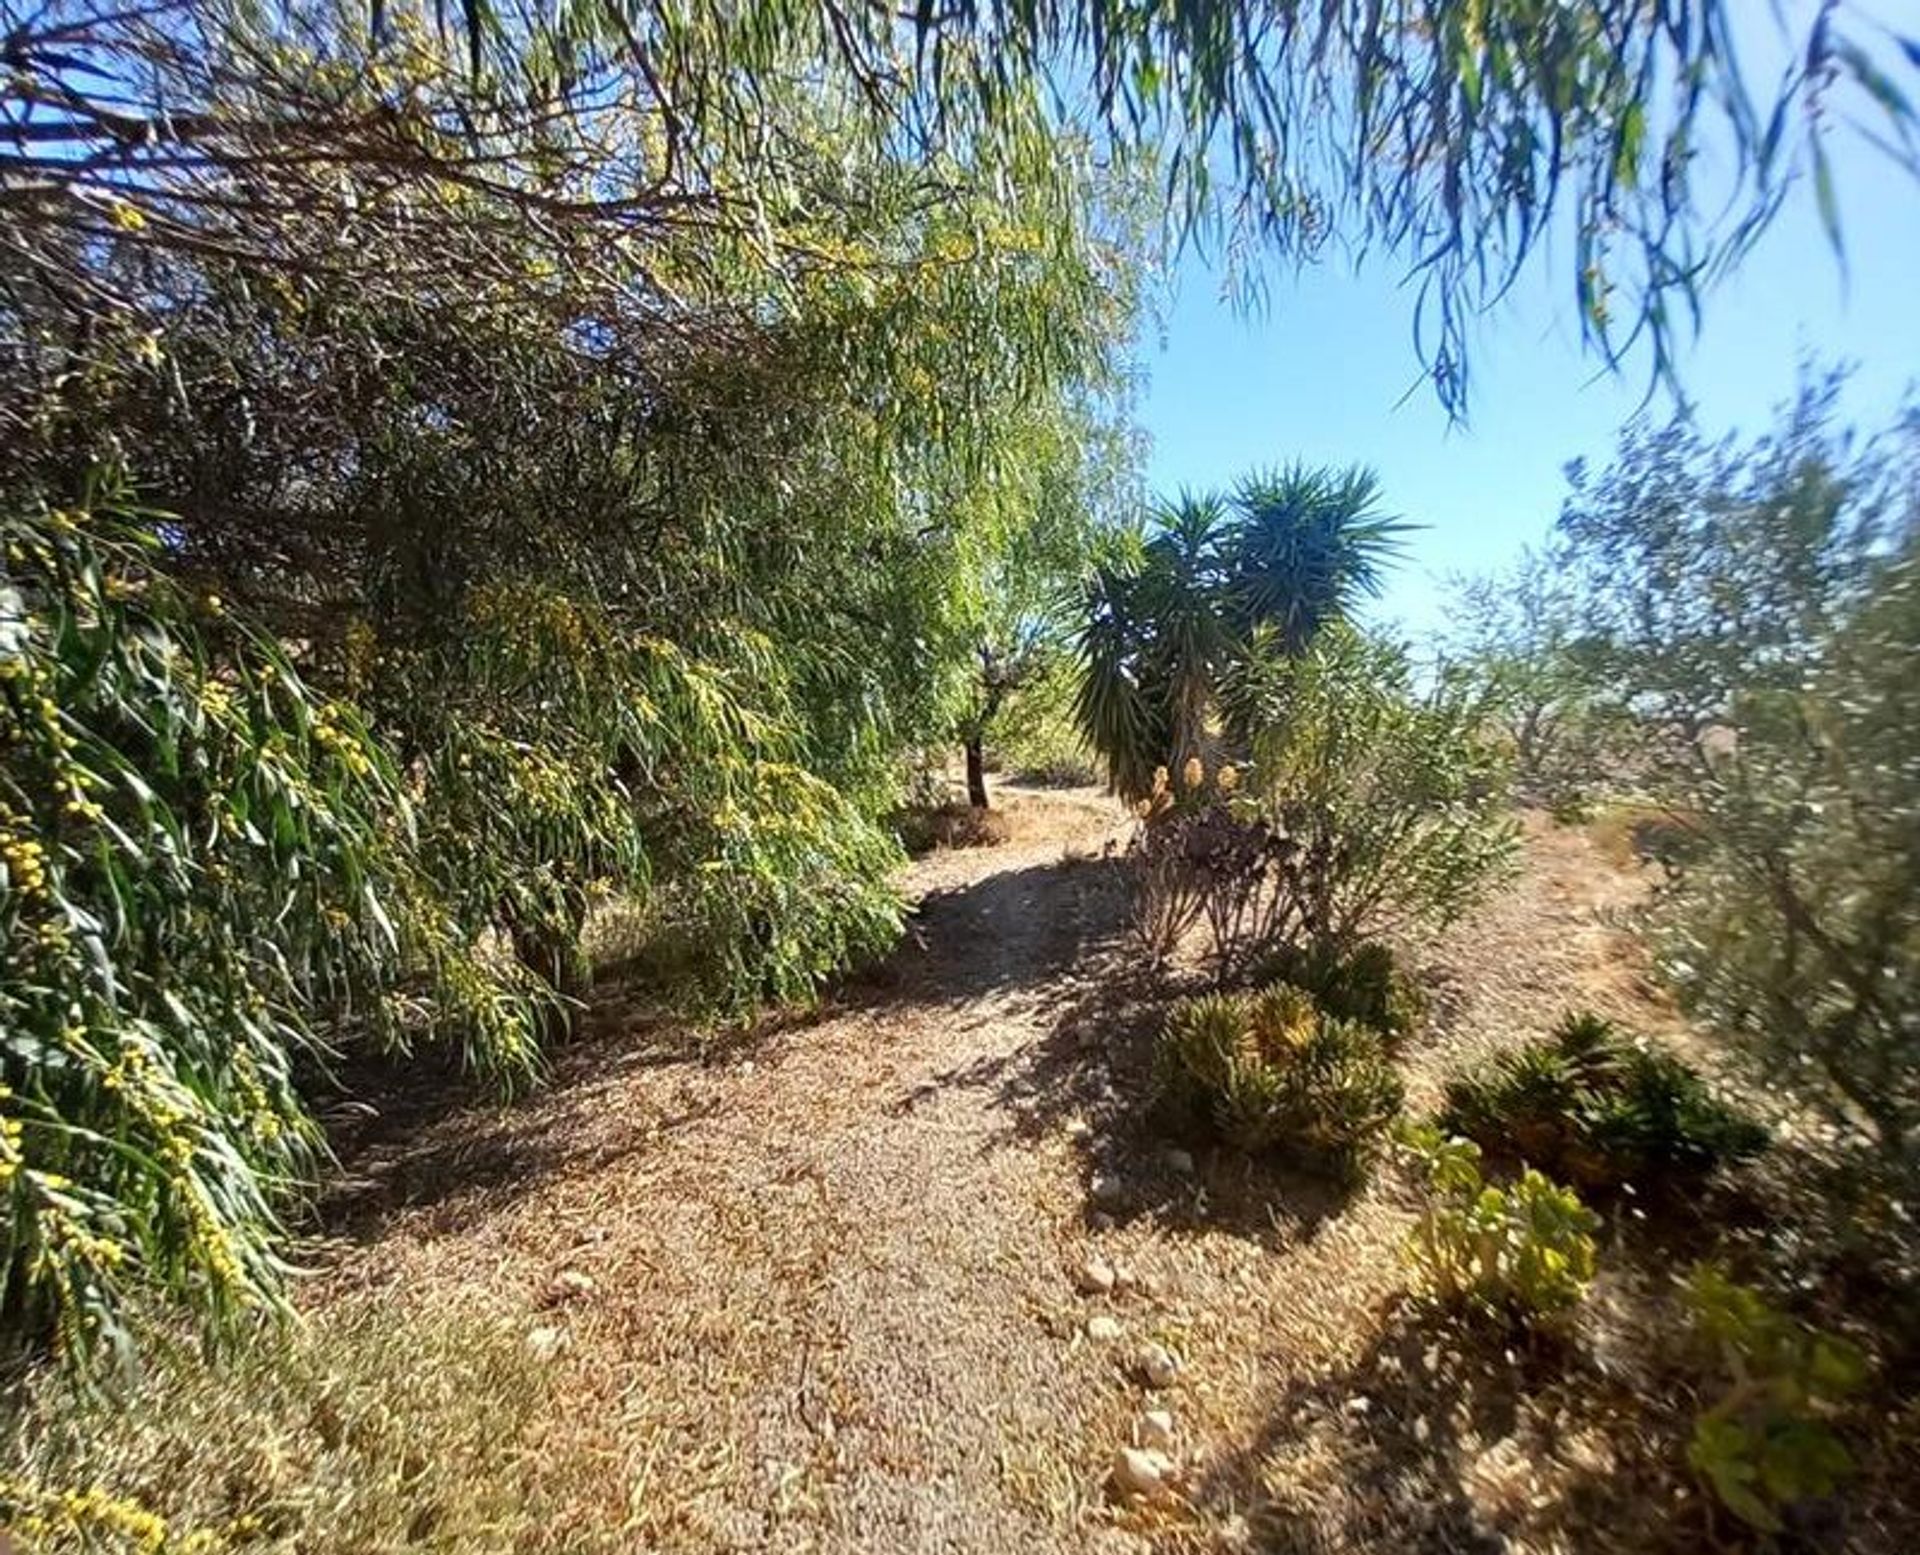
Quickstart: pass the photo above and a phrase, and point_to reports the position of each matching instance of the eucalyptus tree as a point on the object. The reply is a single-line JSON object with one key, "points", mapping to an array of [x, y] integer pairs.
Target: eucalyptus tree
{"points": [[312, 135]]}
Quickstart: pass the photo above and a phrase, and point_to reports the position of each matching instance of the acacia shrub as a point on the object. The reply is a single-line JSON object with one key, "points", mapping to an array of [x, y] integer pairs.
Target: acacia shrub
{"points": [[207, 872]]}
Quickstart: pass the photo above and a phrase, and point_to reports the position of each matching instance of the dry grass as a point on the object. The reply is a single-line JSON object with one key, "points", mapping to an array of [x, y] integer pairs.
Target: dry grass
{"points": [[818, 1283], [417, 1425]]}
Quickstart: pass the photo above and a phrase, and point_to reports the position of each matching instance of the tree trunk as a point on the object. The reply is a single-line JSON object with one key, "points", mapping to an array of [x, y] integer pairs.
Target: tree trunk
{"points": [[977, 772]]}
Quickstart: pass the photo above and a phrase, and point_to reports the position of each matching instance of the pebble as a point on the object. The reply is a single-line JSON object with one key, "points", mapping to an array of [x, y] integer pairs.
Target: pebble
{"points": [[1155, 1430], [1078, 1128], [1095, 1277], [570, 1285], [546, 1343], [1106, 1189], [1141, 1471], [1104, 1328], [1124, 1279], [1180, 1161], [1156, 1366]]}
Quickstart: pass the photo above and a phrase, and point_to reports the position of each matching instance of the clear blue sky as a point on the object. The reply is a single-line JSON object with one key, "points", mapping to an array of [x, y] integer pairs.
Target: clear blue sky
{"points": [[1318, 377]]}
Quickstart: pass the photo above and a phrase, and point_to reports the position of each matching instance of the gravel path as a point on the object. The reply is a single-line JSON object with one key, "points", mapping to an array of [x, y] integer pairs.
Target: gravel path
{"points": [[819, 1291]]}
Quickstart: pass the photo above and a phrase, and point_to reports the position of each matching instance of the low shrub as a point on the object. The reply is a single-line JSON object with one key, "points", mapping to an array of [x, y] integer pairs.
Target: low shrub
{"points": [[1594, 1106], [1271, 1072], [1363, 984], [1524, 1252], [951, 825], [1766, 1442]]}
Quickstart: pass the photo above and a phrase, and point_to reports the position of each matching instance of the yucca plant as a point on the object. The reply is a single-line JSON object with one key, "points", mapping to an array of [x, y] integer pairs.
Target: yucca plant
{"points": [[1169, 618]]}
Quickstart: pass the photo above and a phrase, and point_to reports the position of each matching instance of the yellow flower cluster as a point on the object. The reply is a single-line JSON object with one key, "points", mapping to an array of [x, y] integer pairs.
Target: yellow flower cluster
{"points": [[10, 1147], [1193, 779], [95, 1515], [26, 864], [344, 744]]}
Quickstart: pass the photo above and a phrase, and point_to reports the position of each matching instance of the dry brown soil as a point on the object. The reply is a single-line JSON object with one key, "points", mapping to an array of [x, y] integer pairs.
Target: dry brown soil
{"points": [[829, 1299]]}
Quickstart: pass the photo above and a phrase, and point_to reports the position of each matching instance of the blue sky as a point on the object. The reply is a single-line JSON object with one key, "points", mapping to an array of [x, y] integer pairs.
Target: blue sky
{"points": [[1320, 376]]}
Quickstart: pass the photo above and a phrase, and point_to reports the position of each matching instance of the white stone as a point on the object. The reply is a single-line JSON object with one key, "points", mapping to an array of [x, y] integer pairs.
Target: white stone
{"points": [[1104, 1328], [1155, 1430], [1124, 1279], [1095, 1277], [1078, 1128], [570, 1285], [1157, 1366], [1140, 1471], [546, 1343]]}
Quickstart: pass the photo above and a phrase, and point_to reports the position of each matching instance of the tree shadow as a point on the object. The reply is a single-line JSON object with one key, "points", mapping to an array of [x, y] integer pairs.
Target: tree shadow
{"points": [[1029, 928], [1426, 1442], [425, 1134]]}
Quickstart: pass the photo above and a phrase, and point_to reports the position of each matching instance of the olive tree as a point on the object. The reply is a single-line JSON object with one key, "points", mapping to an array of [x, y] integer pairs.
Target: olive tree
{"points": [[1760, 606]]}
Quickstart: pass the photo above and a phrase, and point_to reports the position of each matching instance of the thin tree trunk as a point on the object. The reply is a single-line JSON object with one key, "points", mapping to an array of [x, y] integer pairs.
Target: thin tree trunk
{"points": [[977, 772]]}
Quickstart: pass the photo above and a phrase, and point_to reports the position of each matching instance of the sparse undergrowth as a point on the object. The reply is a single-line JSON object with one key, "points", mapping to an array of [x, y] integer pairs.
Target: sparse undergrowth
{"points": [[379, 1428], [922, 829], [1596, 1107]]}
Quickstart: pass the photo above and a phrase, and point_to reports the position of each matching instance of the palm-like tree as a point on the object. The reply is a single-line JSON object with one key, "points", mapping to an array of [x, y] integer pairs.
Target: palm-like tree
{"points": [[1171, 613]]}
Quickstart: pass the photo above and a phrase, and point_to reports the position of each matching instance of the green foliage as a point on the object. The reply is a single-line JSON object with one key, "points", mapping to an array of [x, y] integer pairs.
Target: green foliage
{"points": [[1271, 1072], [1761, 611], [1036, 738], [1454, 136], [205, 868], [365, 1429], [1766, 1442], [1390, 799], [621, 561], [1596, 1107], [1171, 615], [1525, 1251], [1363, 984], [1523, 634]]}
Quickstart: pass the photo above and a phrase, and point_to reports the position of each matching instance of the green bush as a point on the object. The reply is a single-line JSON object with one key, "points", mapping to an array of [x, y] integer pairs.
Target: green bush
{"points": [[1758, 606], [1272, 1072], [205, 875], [1363, 984], [1766, 1442], [1593, 1106], [1525, 1251], [1391, 797]]}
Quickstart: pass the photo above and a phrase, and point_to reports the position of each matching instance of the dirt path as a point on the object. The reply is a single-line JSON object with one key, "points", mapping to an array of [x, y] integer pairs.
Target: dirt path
{"points": [[818, 1293]]}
